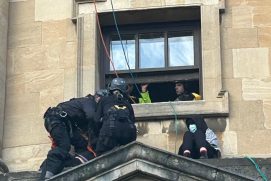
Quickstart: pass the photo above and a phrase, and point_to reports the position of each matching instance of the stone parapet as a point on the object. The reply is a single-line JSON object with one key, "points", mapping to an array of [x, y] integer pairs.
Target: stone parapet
{"points": [[219, 108], [237, 165]]}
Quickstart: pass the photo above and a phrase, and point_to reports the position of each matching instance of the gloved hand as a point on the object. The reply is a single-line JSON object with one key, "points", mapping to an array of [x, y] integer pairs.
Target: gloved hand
{"points": [[192, 128]]}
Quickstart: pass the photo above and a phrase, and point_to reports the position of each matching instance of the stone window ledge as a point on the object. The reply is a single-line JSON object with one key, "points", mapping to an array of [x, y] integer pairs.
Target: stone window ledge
{"points": [[164, 110]]}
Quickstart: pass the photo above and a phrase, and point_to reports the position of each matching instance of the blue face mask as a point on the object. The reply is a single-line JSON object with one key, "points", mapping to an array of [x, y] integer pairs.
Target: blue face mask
{"points": [[192, 128]]}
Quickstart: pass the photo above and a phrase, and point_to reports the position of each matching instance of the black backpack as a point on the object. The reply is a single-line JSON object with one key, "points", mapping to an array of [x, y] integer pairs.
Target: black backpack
{"points": [[119, 112]]}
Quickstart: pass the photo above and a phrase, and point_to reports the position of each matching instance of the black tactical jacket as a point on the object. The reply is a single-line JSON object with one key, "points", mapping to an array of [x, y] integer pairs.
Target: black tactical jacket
{"points": [[80, 110], [106, 103], [185, 97]]}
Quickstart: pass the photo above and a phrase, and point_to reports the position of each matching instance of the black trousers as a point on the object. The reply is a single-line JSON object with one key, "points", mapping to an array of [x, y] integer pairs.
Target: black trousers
{"points": [[59, 157], [109, 138], [193, 142]]}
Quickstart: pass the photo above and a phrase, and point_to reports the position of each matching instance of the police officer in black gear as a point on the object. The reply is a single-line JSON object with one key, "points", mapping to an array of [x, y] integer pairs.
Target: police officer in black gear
{"points": [[66, 122], [93, 131], [115, 116]]}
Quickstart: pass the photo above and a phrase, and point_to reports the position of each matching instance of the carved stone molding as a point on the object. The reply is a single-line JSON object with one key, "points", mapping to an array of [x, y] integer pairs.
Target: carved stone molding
{"points": [[222, 6], [76, 4], [80, 50]]}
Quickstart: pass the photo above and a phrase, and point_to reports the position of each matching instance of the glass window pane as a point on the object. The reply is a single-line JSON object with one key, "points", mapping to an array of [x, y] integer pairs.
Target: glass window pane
{"points": [[181, 50], [151, 50], [117, 54]]}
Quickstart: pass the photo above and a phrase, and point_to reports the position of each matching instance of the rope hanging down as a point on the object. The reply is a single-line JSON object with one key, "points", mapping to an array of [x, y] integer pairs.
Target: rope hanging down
{"points": [[264, 177], [125, 56], [101, 35], [175, 124], [106, 51]]}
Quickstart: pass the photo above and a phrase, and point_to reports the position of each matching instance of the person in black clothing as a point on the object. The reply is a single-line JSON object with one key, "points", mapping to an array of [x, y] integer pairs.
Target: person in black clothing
{"points": [[199, 141], [182, 94], [67, 123], [100, 93], [115, 117]]}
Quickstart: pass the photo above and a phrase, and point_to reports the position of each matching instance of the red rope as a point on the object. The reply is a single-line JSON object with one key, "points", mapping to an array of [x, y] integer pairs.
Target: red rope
{"points": [[91, 150], [101, 34]]}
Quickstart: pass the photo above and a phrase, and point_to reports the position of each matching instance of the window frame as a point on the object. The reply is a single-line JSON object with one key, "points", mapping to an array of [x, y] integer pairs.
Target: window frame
{"points": [[191, 26], [155, 75]]}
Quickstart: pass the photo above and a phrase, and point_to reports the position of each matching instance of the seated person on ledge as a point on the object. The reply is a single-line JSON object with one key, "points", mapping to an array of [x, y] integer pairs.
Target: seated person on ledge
{"points": [[199, 141]]}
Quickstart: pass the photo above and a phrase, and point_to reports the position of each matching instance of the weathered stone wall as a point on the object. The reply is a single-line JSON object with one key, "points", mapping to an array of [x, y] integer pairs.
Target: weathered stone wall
{"points": [[3, 57], [42, 71], [246, 62]]}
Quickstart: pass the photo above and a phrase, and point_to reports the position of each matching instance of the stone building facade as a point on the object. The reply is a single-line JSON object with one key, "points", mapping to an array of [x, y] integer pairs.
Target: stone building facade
{"points": [[50, 52], [3, 57]]}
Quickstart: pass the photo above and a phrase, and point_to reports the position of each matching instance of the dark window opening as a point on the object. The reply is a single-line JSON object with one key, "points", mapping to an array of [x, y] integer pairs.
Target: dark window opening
{"points": [[165, 91]]}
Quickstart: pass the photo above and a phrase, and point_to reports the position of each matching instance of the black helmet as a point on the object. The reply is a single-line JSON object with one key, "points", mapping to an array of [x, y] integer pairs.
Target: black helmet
{"points": [[101, 92], [118, 84]]}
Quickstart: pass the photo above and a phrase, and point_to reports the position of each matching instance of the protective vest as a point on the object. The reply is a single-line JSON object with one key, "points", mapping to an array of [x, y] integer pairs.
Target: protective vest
{"points": [[119, 113], [145, 98]]}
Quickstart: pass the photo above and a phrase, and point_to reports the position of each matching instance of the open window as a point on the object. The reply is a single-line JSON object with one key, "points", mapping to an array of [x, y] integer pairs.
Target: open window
{"points": [[165, 91], [157, 53], [201, 18]]}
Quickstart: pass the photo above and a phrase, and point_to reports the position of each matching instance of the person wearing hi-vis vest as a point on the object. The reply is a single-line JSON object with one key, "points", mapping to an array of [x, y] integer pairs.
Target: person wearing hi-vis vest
{"points": [[183, 95], [144, 94]]}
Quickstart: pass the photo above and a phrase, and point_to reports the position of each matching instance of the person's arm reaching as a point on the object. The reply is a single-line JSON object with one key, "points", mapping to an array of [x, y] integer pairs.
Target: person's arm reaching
{"points": [[145, 96]]}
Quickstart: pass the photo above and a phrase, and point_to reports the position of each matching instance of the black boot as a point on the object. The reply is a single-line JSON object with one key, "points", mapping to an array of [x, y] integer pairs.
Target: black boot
{"points": [[48, 175]]}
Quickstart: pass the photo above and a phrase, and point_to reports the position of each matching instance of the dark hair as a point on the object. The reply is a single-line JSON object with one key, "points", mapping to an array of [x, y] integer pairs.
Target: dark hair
{"points": [[179, 82]]}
